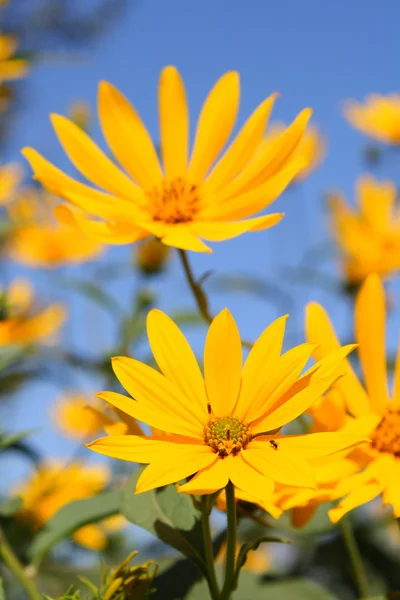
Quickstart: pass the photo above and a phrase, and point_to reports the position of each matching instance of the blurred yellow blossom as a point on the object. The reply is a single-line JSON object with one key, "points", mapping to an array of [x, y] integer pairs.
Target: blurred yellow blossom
{"points": [[55, 484], [375, 412], [257, 561], [378, 117], [39, 240], [368, 236], [10, 68], [312, 148], [186, 200], [151, 256], [22, 320], [73, 417], [10, 178]]}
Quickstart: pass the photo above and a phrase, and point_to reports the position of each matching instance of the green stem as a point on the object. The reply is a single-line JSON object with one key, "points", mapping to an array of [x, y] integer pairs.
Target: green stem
{"points": [[360, 577], [208, 547], [198, 293], [230, 542], [17, 569]]}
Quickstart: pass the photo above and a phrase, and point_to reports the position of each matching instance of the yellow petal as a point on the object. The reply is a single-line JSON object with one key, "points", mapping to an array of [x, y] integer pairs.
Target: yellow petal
{"points": [[127, 137], [208, 480], [88, 199], [157, 393], [90, 160], [279, 465], [176, 360], [183, 238], [174, 123], [248, 479], [265, 352], [396, 378], [171, 469], [370, 314], [319, 331], [314, 445], [219, 231], [242, 148], [216, 121], [359, 497], [222, 207], [301, 515], [223, 363], [391, 494], [143, 449]]}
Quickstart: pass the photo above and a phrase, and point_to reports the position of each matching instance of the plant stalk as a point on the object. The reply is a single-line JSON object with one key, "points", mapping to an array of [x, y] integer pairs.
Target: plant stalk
{"points": [[208, 547], [353, 551], [231, 537], [12, 562]]}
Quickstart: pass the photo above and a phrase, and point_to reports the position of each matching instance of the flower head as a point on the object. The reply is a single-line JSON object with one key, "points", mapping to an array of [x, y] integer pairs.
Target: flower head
{"points": [[207, 196], [54, 485], [21, 321], [368, 237], [378, 117], [10, 67], [39, 240], [373, 411], [225, 426]]}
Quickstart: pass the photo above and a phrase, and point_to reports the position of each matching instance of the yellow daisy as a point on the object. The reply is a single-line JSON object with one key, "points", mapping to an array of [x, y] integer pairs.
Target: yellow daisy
{"points": [[21, 321], [10, 178], [39, 240], [378, 117], [376, 412], [312, 148], [226, 426], [208, 195], [368, 237], [10, 68], [55, 485]]}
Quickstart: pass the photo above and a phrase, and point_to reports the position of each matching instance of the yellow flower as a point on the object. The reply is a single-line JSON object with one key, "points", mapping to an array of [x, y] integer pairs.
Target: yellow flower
{"points": [[378, 117], [10, 178], [311, 148], [375, 414], [78, 416], [53, 486], [207, 196], [39, 240], [21, 322], [10, 68], [225, 426], [369, 236]]}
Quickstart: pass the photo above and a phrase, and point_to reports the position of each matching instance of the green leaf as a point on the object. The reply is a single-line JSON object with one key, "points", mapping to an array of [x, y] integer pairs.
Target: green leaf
{"points": [[254, 545], [251, 586], [11, 440], [10, 507], [168, 515], [2, 592], [72, 517]]}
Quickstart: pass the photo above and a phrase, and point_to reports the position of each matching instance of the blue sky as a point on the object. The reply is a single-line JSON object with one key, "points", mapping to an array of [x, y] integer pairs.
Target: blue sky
{"points": [[314, 53]]}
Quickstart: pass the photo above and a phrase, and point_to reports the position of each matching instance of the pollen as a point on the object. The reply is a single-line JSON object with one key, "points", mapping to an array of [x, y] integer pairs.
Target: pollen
{"points": [[386, 437], [174, 201], [226, 435]]}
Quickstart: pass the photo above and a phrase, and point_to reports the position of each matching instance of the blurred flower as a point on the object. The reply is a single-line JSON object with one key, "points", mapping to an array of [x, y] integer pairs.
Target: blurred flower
{"points": [[368, 237], [186, 200], [10, 68], [10, 178], [56, 484], [230, 431], [378, 117], [258, 561], [375, 414], [22, 321], [129, 583], [80, 114], [151, 256], [39, 240], [311, 148], [78, 416]]}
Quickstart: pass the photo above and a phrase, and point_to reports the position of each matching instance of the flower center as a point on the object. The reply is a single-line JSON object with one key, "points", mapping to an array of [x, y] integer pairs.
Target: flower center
{"points": [[226, 435], [386, 437], [175, 201]]}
